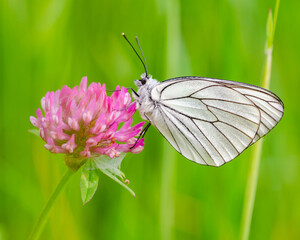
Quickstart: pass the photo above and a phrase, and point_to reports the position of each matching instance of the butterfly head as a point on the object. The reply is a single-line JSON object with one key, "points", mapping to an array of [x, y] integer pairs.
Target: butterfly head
{"points": [[143, 80]]}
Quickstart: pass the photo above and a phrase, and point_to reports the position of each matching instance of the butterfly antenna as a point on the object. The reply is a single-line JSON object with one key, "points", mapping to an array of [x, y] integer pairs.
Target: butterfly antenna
{"points": [[123, 34], [137, 40]]}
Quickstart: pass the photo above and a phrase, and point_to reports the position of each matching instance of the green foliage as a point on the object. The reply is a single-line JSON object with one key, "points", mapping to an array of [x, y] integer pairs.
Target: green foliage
{"points": [[88, 181], [47, 44], [34, 131], [111, 168]]}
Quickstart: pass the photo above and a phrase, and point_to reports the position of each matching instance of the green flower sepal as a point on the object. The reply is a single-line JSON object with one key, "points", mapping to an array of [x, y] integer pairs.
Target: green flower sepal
{"points": [[90, 175]]}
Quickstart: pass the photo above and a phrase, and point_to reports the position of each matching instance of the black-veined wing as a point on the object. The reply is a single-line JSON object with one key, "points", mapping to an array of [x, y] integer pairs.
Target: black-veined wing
{"points": [[211, 121]]}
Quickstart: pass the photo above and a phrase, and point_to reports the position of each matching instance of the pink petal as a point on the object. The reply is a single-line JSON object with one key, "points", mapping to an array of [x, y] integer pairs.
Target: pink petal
{"points": [[86, 153], [39, 113], [100, 125], [73, 124], [93, 141], [34, 122], [70, 145], [83, 84]]}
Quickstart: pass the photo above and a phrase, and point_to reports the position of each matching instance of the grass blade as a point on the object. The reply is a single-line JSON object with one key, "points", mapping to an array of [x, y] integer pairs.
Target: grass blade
{"points": [[250, 193]]}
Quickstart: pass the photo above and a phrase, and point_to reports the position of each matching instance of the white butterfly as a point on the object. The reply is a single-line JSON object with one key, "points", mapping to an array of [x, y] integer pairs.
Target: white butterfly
{"points": [[209, 121]]}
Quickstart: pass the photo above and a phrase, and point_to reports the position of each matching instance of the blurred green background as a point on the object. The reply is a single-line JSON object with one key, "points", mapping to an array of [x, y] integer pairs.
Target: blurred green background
{"points": [[47, 44]]}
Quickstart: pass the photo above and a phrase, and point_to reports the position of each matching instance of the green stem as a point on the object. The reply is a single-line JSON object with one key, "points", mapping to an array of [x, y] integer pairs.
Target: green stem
{"points": [[44, 215], [250, 193]]}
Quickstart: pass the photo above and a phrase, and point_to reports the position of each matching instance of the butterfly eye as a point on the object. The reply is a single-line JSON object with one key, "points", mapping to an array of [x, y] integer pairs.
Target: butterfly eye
{"points": [[143, 81]]}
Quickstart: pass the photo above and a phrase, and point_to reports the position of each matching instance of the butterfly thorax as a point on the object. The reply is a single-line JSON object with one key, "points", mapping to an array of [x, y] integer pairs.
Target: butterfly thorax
{"points": [[145, 103]]}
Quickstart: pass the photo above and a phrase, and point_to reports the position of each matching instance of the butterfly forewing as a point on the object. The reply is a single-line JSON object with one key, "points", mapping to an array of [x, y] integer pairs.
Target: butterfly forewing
{"points": [[211, 121]]}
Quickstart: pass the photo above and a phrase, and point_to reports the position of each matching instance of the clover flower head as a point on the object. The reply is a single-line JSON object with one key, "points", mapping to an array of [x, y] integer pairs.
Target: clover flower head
{"points": [[84, 122]]}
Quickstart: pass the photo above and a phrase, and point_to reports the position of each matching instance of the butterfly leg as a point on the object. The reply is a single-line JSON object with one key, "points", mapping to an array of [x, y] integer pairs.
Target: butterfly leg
{"points": [[142, 134], [147, 127], [135, 93]]}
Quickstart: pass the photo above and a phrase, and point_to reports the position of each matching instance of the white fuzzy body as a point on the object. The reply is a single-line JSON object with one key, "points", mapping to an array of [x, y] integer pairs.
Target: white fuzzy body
{"points": [[145, 104]]}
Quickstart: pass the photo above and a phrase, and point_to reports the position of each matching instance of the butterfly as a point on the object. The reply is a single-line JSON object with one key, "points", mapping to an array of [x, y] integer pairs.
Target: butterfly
{"points": [[209, 121]]}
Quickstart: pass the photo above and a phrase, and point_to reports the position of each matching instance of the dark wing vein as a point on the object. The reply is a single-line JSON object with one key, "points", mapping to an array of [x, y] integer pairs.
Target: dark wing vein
{"points": [[199, 90], [170, 132], [221, 100], [183, 113], [234, 114], [230, 125], [185, 136], [209, 142]]}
